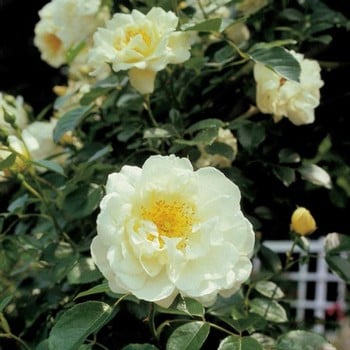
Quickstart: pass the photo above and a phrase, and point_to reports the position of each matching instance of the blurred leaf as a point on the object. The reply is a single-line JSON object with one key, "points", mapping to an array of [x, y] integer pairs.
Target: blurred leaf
{"points": [[302, 340], [100, 153], [5, 301], [269, 259], [205, 124], [189, 336], [269, 309], [337, 247], [251, 135], [250, 323], [18, 204], [84, 271], [50, 165], [286, 155], [239, 343], [94, 93], [220, 148], [69, 121], [139, 347], [209, 25], [279, 60], [269, 289], [292, 14], [82, 201], [8, 161], [285, 174], [73, 51], [101, 288], [77, 323]]}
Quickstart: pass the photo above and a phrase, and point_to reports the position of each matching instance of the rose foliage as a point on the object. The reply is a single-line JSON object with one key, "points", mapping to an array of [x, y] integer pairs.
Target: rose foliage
{"points": [[135, 206]]}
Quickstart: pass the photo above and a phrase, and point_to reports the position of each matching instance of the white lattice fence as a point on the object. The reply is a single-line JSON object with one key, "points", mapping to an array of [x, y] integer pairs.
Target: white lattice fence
{"points": [[327, 289]]}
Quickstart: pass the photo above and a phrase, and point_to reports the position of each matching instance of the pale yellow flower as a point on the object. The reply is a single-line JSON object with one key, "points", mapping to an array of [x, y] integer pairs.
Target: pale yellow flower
{"points": [[65, 24], [142, 44], [165, 229], [15, 108], [302, 222], [286, 98]]}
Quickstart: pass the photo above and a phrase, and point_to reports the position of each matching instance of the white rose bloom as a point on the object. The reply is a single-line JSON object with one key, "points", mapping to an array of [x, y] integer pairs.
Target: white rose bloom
{"points": [[142, 44], [39, 140], [165, 229], [66, 23], [15, 108], [294, 100]]}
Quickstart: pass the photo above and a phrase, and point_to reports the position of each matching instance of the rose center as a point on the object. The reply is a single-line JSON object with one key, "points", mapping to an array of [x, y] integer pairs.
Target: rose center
{"points": [[173, 217], [53, 42]]}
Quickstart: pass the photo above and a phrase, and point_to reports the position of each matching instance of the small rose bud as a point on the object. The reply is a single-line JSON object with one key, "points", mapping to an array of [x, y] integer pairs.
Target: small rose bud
{"points": [[302, 222]]}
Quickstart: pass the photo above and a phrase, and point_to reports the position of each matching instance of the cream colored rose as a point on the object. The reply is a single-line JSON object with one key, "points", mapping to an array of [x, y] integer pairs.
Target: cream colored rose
{"points": [[224, 136], [39, 141], [13, 107], [285, 98], [141, 44], [64, 24], [165, 229]]}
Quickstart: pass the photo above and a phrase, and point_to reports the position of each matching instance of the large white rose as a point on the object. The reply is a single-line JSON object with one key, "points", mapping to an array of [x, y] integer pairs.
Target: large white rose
{"points": [[13, 107], [65, 24], [142, 44], [285, 98], [165, 229]]}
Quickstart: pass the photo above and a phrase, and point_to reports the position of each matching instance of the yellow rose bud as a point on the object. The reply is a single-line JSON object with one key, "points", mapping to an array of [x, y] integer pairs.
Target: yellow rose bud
{"points": [[303, 222]]}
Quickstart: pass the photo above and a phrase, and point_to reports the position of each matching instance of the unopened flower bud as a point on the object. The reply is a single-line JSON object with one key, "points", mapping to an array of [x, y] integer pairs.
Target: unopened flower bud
{"points": [[302, 222]]}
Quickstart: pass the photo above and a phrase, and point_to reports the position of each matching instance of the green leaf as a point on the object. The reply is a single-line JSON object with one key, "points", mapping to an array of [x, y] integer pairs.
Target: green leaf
{"points": [[69, 121], [189, 336], [270, 309], [139, 347], [250, 323], [77, 323], [8, 161], [269, 289], [279, 60], [302, 340], [50, 165], [287, 155], [285, 174], [220, 148], [93, 94], [190, 307], [239, 343], [82, 201], [101, 288], [251, 135], [205, 124], [4, 302], [337, 247], [84, 271], [74, 51], [100, 153], [269, 259], [209, 25]]}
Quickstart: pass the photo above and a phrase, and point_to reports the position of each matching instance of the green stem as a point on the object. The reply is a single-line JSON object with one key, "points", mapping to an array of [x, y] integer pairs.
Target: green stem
{"points": [[12, 336], [148, 108]]}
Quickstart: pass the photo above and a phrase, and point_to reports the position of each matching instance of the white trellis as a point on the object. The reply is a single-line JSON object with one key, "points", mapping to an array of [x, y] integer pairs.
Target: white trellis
{"points": [[322, 300]]}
